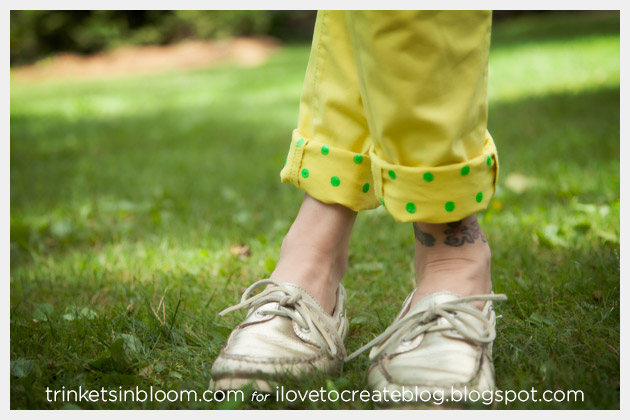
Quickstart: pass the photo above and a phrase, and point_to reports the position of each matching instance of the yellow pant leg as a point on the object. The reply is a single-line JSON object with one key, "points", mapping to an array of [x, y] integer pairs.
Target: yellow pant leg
{"points": [[423, 78], [329, 152]]}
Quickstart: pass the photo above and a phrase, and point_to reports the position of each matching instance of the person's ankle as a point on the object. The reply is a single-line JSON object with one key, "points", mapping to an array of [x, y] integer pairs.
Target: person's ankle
{"points": [[314, 253], [317, 272], [315, 265], [452, 257]]}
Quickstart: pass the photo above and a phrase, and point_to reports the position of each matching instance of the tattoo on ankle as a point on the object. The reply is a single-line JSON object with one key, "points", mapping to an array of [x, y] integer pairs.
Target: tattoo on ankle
{"points": [[458, 234], [424, 238]]}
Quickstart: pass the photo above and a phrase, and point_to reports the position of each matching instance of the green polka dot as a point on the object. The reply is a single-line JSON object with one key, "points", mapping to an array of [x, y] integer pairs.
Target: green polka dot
{"points": [[392, 174], [411, 208], [465, 170], [449, 206], [304, 173], [357, 159], [325, 150], [335, 181], [489, 161], [366, 187], [299, 142], [382, 201], [428, 176], [479, 197]]}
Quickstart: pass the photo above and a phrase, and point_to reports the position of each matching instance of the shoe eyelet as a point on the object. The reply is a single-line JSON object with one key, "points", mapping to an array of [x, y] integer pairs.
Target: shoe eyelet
{"points": [[341, 314], [258, 314], [305, 330], [405, 342]]}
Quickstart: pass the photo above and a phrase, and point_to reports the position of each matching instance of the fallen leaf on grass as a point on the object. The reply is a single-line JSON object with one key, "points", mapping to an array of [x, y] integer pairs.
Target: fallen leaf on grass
{"points": [[518, 183], [550, 236], [132, 346], [602, 210], [607, 236], [240, 250], [21, 368], [363, 318], [112, 360], [43, 312], [73, 313], [120, 356]]}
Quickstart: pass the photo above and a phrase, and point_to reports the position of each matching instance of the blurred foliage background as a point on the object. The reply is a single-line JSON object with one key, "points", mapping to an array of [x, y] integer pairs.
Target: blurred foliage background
{"points": [[36, 34]]}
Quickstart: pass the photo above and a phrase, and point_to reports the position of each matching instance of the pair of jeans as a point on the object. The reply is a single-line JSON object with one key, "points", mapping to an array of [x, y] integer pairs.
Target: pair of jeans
{"points": [[393, 112]]}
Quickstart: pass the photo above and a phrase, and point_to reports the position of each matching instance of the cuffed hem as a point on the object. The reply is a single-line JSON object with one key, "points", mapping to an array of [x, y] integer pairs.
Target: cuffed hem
{"points": [[329, 174], [439, 194]]}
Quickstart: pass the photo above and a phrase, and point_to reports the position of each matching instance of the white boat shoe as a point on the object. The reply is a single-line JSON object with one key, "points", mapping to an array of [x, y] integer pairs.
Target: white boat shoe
{"points": [[286, 333], [441, 344]]}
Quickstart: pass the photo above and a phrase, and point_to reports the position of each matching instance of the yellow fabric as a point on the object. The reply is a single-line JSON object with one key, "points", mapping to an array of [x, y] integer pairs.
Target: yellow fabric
{"points": [[394, 111]]}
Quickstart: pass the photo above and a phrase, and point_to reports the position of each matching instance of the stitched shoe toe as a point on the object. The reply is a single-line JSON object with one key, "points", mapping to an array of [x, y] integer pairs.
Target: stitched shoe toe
{"points": [[442, 343], [286, 332]]}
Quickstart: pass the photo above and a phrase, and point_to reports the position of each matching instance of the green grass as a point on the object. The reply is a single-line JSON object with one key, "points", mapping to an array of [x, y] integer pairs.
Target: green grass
{"points": [[126, 192]]}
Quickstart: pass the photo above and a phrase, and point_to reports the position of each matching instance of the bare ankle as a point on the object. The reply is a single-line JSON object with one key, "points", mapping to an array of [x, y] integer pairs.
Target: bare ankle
{"points": [[314, 253], [452, 257]]}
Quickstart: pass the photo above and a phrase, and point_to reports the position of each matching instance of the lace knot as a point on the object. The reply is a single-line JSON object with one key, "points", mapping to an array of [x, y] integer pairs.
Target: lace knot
{"points": [[292, 305], [289, 300]]}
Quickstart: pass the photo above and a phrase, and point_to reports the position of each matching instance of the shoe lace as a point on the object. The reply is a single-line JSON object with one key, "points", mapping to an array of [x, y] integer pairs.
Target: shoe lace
{"points": [[412, 325], [290, 305]]}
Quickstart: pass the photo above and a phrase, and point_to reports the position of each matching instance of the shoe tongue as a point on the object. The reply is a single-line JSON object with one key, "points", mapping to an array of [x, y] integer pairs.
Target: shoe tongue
{"points": [[305, 295], [435, 299]]}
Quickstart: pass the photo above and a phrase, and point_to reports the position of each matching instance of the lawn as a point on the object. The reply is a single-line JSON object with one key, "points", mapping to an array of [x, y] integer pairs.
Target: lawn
{"points": [[141, 207]]}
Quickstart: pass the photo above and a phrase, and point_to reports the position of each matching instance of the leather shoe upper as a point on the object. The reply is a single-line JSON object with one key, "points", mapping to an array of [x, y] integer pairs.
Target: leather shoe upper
{"points": [[286, 331]]}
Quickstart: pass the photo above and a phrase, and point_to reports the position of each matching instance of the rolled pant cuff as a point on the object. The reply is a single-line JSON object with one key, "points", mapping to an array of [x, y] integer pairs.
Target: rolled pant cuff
{"points": [[438, 194], [331, 175]]}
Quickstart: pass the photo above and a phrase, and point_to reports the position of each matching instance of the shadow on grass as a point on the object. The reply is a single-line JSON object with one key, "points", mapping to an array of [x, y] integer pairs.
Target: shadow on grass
{"points": [[121, 178], [98, 181], [554, 26], [568, 144]]}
